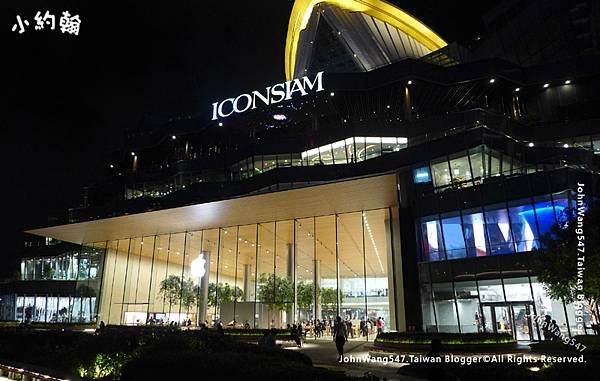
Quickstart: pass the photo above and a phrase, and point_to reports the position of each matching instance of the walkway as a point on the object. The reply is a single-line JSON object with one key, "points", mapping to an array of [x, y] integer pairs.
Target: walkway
{"points": [[323, 354]]}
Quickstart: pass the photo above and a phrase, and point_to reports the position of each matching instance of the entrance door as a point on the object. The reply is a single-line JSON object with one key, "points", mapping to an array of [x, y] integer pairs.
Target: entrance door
{"points": [[524, 329], [503, 319], [511, 318]]}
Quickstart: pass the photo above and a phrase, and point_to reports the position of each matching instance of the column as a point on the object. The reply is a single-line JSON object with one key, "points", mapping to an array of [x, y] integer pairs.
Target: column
{"points": [[203, 303], [247, 279], [290, 274], [317, 283]]}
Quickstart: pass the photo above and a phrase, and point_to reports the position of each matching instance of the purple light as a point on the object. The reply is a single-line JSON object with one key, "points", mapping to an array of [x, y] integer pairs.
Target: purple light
{"points": [[279, 117]]}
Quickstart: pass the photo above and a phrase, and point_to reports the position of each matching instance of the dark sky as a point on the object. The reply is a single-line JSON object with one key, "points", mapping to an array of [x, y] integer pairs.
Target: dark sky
{"points": [[67, 99]]}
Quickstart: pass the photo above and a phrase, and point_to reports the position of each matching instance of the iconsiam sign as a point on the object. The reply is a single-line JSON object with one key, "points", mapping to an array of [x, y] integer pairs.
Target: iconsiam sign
{"points": [[272, 95]]}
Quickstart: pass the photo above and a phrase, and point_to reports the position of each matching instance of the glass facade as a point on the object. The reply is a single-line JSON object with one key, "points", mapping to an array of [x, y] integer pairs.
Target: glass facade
{"points": [[266, 274], [497, 229], [350, 150], [499, 305], [468, 168], [71, 265]]}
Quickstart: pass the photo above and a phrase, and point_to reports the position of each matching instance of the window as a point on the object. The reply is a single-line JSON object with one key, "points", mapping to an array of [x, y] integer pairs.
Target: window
{"points": [[339, 152], [498, 230], [431, 232], [461, 170], [421, 175], [441, 173], [453, 236], [474, 230], [523, 225]]}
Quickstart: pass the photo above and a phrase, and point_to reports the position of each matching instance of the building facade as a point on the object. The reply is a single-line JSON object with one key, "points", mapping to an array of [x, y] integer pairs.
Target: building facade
{"points": [[417, 187]]}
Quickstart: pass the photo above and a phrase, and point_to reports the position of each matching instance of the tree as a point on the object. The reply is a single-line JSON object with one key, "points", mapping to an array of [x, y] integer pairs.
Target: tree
{"points": [[556, 263], [223, 293], [328, 297], [305, 295], [277, 292], [175, 291]]}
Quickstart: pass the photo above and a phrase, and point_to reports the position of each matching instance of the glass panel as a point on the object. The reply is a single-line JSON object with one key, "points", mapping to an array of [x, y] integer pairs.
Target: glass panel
{"points": [[445, 308], [477, 162], [427, 311], [269, 162], [467, 301], [498, 229], [359, 142], [339, 152], [377, 252], [523, 225], [517, 289], [246, 276], [433, 247], [453, 236], [284, 271], [210, 249], [441, 174], [474, 230], [156, 308], [351, 270], [326, 155], [421, 175], [503, 319], [490, 290], [372, 147], [350, 150], [171, 285], [305, 268], [265, 306], [544, 213], [327, 302], [549, 307], [284, 160], [226, 290], [461, 170], [258, 165]]}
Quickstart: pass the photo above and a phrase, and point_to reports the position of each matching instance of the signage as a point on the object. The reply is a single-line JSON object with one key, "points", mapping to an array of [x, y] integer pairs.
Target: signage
{"points": [[199, 267], [272, 95]]}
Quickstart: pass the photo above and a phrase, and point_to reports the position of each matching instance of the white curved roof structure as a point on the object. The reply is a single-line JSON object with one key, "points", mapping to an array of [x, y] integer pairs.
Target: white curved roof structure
{"points": [[353, 35]]}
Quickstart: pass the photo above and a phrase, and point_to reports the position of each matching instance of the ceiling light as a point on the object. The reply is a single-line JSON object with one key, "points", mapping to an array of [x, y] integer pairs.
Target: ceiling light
{"points": [[518, 89], [409, 82], [568, 82], [173, 137], [220, 124], [546, 85], [492, 80], [530, 144]]}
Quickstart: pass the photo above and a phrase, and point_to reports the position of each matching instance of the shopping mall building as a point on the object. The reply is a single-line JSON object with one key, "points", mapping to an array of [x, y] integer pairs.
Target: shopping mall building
{"points": [[392, 175]]}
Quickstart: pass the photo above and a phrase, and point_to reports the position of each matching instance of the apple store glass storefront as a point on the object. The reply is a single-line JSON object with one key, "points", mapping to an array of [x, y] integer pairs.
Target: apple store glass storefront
{"points": [[265, 274]]}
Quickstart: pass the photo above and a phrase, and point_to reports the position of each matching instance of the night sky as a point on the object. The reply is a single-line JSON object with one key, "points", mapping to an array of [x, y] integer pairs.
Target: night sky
{"points": [[67, 99]]}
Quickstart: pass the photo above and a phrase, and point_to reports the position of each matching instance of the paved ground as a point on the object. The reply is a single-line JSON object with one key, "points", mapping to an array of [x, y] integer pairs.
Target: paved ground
{"points": [[323, 354]]}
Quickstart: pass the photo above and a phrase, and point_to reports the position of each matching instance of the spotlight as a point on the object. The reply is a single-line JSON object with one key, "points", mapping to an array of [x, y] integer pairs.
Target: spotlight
{"points": [[132, 153], [173, 137], [565, 145], [517, 89], [220, 124], [546, 85], [332, 94], [568, 82], [492, 80], [409, 82], [531, 144]]}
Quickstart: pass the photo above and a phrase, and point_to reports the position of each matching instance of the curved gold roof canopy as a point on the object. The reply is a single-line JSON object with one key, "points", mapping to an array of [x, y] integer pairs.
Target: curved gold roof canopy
{"points": [[378, 9]]}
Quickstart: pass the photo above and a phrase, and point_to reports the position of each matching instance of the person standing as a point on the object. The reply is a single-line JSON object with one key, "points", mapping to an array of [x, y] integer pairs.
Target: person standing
{"points": [[340, 336]]}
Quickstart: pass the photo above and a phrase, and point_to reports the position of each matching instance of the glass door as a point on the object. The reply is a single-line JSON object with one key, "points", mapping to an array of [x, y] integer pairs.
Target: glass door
{"points": [[503, 319], [524, 329]]}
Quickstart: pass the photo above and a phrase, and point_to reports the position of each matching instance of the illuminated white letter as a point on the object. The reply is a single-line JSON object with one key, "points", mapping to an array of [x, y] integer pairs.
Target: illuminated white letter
{"points": [[318, 80], [297, 86], [221, 108], [264, 99], [248, 103], [275, 92], [215, 110]]}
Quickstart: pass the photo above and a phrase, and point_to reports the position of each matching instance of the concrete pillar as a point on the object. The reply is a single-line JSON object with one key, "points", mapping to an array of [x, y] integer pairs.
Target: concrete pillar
{"points": [[290, 275], [247, 280], [317, 283], [204, 282]]}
